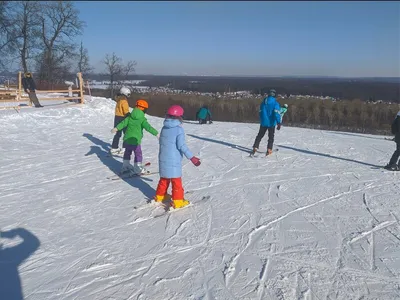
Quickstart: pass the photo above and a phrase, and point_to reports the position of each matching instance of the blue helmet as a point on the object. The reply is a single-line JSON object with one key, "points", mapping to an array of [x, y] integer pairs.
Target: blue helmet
{"points": [[272, 93]]}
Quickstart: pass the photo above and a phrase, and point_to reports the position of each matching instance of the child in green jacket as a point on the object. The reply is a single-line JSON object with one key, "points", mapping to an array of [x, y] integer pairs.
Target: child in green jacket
{"points": [[134, 125]]}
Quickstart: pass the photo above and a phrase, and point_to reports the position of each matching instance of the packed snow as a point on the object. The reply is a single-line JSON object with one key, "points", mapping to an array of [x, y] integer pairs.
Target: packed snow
{"points": [[315, 220]]}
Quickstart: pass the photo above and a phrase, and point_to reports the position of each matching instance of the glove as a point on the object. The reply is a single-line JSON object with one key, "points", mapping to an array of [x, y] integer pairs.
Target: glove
{"points": [[114, 130], [278, 127], [195, 161]]}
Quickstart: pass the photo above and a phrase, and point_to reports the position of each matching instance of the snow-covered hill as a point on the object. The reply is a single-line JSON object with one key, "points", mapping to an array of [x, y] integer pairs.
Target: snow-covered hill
{"points": [[316, 220]]}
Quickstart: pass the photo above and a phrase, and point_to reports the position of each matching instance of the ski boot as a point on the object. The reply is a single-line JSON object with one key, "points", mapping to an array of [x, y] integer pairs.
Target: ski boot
{"points": [[269, 152], [139, 169], [127, 168], [164, 200], [254, 151], [115, 151], [393, 167], [175, 204]]}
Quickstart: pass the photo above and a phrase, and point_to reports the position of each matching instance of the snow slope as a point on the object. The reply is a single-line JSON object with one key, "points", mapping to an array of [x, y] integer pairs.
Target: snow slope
{"points": [[316, 220]]}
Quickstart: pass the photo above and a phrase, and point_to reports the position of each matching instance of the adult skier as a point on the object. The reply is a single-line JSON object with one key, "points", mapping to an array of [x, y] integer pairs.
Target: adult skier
{"points": [[394, 162], [269, 118], [30, 88]]}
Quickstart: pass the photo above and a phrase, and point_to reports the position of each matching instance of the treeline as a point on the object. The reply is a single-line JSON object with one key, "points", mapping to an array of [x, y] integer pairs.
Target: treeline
{"points": [[38, 37], [366, 89], [351, 116]]}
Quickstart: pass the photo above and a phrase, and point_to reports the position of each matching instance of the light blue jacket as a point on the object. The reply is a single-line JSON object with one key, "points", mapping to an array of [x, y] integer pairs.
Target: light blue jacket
{"points": [[172, 149], [270, 112]]}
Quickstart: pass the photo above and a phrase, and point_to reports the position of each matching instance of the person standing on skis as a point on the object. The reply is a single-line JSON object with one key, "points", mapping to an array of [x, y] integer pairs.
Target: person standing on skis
{"points": [[121, 112], [172, 149], [30, 88], [394, 163], [134, 125], [269, 118]]}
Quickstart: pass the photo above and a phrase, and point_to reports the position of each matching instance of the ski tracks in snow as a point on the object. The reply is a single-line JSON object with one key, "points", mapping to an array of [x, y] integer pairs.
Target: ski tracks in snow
{"points": [[309, 222]]}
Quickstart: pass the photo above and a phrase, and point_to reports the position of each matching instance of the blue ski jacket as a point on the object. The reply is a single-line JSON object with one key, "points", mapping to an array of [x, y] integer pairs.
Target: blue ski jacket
{"points": [[172, 149], [270, 112], [203, 113]]}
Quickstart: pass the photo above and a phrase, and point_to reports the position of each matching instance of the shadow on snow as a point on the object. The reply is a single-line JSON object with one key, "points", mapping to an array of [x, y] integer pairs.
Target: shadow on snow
{"points": [[102, 151], [10, 260]]}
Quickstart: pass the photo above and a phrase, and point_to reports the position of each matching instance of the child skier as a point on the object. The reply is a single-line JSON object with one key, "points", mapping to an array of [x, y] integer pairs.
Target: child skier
{"points": [[203, 115], [394, 162], [172, 149], [134, 125], [121, 112], [283, 110]]}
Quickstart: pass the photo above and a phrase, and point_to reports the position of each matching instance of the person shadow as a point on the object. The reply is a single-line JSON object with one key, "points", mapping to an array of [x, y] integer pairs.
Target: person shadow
{"points": [[11, 258], [238, 147], [101, 150], [329, 156]]}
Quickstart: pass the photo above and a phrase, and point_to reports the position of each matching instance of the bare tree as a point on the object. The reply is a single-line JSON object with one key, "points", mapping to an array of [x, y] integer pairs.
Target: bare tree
{"points": [[6, 34], [26, 26], [59, 24], [83, 61], [116, 70], [129, 68]]}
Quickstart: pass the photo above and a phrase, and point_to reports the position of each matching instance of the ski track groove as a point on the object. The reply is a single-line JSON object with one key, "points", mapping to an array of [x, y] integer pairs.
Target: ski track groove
{"points": [[378, 227], [358, 256], [369, 210], [264, 272], [232, 274]]}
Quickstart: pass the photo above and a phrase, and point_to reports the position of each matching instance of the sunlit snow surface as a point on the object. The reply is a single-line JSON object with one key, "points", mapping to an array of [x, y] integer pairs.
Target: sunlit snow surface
{"points": [[315, 220]]}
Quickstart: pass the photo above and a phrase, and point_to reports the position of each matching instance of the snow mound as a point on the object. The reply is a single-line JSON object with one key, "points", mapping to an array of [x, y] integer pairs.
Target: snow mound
{"points": [[316, 220]]}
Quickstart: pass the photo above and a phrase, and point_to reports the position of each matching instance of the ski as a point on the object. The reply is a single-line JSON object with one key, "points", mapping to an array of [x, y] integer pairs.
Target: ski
{"points": [[149, 203], [153, 203], [169, 209], [254, 155], [384, 169], [126, 176], [118, 177]]}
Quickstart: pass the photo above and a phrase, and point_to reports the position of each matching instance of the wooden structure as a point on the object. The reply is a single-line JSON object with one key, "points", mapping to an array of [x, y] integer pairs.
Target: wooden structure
{"points": [[16, 94]]}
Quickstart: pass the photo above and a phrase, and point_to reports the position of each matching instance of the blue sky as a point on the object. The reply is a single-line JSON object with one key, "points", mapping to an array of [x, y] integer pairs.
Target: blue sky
{"points": [[246, 38]]}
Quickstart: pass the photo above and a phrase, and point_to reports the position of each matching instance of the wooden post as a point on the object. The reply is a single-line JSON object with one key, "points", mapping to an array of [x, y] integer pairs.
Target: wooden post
{"points": [[81, 87], [19, 91]]}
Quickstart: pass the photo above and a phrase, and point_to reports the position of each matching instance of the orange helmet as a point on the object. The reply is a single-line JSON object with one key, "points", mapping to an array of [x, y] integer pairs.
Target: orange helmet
{"points": [[142, 104]]}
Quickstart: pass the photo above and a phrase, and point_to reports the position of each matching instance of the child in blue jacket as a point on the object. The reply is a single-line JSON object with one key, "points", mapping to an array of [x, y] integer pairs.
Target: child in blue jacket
{"points": [[172, 149]]}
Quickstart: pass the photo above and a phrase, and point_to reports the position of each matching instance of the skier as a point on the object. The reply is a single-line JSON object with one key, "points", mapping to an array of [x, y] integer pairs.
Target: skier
{"points": [[394, 163], [204, 114], [30, 88], [134, 125], [172, 149], [283, 111], [121, 112], [269, 118]]}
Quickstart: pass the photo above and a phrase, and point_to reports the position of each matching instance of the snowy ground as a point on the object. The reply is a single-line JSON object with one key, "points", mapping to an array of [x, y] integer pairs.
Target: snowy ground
{"points": [[315, 220]]}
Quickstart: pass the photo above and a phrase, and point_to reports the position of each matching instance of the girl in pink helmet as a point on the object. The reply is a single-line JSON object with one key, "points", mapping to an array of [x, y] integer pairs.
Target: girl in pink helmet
{"points": [[172, 149]]}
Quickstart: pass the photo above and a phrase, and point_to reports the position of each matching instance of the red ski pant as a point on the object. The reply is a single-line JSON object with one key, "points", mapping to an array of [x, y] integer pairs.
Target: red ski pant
{"points": [[177, 189]]}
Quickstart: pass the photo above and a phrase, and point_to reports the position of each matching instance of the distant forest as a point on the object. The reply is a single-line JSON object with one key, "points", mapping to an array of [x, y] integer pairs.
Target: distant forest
{"points": [[364, 89]]}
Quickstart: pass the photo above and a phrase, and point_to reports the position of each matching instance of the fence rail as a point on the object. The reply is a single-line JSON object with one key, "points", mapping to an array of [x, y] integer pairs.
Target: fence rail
{"points": [[16, 94]]}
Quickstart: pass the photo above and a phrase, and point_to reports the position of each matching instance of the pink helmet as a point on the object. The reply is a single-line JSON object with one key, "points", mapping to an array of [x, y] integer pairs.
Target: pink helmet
{"points": [[175, 110]]}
